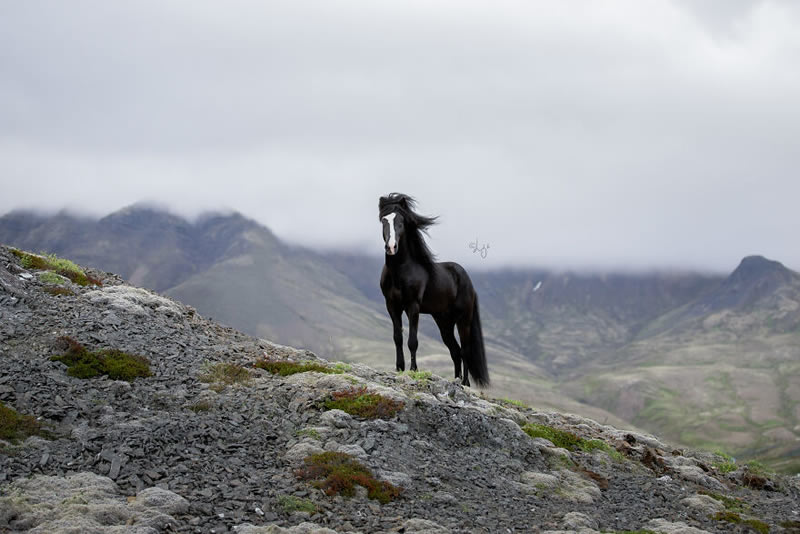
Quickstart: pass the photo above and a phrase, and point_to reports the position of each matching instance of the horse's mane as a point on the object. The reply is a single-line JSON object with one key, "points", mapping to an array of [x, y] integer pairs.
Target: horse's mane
{"points": [[416, 224]]}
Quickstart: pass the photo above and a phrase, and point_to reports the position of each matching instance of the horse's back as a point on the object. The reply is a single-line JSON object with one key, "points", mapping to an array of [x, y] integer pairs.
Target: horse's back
{"points": [[449, 290]]}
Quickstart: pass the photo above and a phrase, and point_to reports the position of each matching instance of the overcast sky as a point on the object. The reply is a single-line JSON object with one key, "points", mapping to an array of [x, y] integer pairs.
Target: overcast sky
{"points": [[633, 134]]}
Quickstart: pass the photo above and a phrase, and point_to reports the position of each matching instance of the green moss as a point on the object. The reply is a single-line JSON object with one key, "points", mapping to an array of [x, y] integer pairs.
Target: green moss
{"points": [[59, 291], [343, 367], [513, 402], [360, 403], [757, 525], [49, 277], [117, 365], [223, 374], [286, 367], [725, 467], [310, 433], [201, 406], [570, 441], [731, 504], [51, 262], [727, 515], [15, 426], [419, 376], [559, 438], [735, 518], [339, 473], [291, 504]]}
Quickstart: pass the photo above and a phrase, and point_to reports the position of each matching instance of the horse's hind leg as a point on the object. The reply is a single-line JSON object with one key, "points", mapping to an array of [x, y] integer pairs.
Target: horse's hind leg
{"points": [[448, 337], [464, 331]]}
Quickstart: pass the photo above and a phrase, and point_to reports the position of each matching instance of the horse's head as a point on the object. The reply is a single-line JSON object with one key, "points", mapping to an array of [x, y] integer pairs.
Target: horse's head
{"points": [[396, 213], [393, 228]]}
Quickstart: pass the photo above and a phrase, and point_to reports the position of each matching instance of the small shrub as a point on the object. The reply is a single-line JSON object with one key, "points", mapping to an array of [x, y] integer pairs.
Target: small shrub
{"points": [[286, 367], [339, 473], [117, 365], [291, 504], [15, 426], [758, 468], [360, 403], [223, 374]]}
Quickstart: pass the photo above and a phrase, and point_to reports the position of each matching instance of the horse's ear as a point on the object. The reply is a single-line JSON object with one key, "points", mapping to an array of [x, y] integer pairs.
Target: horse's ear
{"points": [[404, 202]]}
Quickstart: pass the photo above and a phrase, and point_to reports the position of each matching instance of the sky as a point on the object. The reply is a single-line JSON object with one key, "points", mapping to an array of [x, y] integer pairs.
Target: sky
{"points": [[627, 134]]}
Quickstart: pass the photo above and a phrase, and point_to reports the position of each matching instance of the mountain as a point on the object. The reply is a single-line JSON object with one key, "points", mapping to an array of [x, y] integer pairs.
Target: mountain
{"points": [[721, 369], [208, 436], [704, 359]]}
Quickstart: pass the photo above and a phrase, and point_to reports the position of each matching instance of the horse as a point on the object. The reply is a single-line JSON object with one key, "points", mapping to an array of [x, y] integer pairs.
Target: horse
{"points": [[412, 281]]}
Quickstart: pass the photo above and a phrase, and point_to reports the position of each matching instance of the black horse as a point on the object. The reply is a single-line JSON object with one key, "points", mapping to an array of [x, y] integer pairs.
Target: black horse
{"points": [[412, 282]]}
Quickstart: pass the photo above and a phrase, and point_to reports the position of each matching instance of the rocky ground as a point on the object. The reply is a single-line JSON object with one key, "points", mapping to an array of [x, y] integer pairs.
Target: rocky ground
{"points": [[174, 453]]}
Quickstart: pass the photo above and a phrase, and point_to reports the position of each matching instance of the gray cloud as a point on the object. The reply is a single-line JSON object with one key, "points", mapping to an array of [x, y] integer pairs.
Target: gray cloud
{"points": [[635, 134]]}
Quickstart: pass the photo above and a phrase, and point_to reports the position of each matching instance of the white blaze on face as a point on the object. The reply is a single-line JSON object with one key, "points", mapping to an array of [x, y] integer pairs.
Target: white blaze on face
{"points": [[391, 243]]}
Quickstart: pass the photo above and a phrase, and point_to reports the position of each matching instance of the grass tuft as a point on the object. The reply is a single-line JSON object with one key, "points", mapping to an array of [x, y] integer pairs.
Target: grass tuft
{"points": [[223, 374], [15, 426], [286, 367], [339, 473], [117, 365], [358, 402]]}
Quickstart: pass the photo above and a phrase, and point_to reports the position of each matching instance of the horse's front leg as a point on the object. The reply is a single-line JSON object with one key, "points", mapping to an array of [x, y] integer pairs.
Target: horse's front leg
{"points": [[396, 313], [413, 320]]}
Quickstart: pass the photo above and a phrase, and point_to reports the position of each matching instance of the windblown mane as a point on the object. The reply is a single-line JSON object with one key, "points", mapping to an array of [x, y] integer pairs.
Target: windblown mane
{"points": [[416, 224]]}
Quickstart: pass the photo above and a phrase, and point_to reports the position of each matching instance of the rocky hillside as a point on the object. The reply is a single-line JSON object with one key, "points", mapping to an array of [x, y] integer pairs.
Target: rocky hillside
{"points": [[212, 438]]}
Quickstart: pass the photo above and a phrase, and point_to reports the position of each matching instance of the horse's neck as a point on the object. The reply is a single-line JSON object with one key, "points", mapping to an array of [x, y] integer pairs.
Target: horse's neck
{"points": [[402, 257]]}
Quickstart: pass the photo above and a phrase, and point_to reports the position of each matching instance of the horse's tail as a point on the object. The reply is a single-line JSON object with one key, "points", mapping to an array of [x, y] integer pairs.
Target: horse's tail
{"points": [[476, 355]]}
